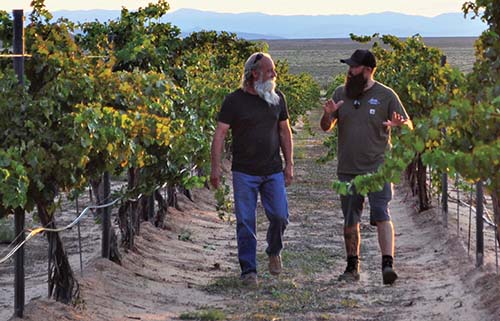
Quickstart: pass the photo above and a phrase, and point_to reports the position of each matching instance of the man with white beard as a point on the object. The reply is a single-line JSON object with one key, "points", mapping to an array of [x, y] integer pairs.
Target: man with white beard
{"points": [[257, 115]]}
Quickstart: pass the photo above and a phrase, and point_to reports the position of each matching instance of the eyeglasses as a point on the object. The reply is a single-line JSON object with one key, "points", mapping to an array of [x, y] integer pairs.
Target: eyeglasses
{"points": [[258, 57], [356, 103]]}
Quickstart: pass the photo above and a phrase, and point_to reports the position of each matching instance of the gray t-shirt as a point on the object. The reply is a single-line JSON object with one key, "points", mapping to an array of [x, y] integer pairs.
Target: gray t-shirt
{"points": [[362, 138]]}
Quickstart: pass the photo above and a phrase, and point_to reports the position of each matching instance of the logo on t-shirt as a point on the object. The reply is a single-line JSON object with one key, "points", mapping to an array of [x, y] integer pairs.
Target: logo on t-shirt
{"points": [[374, 101], [372, 111]]}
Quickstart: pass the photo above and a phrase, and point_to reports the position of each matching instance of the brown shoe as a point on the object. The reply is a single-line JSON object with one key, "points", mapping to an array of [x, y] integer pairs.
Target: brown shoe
{"points": [[275, 265], [250, 280]]}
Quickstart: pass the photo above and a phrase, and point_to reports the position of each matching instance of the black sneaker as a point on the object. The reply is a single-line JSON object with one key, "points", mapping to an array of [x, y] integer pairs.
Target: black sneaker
{"points": [[388, 273], [351, 273]]}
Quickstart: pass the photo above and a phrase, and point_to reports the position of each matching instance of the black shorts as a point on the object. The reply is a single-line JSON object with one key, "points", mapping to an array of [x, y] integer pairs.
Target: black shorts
{"points": [[352, 205]]}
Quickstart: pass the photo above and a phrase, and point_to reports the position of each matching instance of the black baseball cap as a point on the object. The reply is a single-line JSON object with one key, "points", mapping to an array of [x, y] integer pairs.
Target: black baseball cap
{"points": [[361, 57]]}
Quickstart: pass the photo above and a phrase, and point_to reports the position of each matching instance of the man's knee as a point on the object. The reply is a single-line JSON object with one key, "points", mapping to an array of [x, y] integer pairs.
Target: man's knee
{"points": [[280, 219], [246, 222], [379, 213]]}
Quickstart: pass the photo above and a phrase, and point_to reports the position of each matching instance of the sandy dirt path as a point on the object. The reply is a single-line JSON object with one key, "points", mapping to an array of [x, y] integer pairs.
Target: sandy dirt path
{"points": [[191, 267]]}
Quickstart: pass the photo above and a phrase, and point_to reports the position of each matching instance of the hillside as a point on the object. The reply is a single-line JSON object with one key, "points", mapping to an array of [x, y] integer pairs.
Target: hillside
{"points": [[264, 26]]}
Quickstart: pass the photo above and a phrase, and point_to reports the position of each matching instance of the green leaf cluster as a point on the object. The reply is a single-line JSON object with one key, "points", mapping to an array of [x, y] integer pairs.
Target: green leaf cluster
{"points": [[110, 96], [456, 116]]}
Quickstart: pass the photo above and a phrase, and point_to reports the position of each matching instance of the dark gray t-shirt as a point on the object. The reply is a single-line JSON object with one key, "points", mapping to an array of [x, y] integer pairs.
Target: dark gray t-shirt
{"points": [[362, 138], [255, 128]]}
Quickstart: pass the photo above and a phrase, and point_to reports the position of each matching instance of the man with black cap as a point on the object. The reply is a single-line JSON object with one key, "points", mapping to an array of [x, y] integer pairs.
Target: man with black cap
{"points": [[364, 111]]}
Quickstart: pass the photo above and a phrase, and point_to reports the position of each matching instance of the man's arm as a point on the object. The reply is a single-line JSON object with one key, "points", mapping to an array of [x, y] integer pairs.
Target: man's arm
{"points": [[286, 144], [327, 122], [216, 153]]}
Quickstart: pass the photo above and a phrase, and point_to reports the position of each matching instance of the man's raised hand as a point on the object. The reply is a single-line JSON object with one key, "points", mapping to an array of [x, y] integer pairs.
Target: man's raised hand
{"points": [[398, 120], [330, 106]]}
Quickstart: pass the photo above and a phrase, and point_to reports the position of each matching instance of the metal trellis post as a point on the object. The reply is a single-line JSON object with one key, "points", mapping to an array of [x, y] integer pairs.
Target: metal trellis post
{"points": [[457, 186], [479, 224], [79, 236], [444, 198], [444, 178], [19, 213], [470, 218], [106, 217]]}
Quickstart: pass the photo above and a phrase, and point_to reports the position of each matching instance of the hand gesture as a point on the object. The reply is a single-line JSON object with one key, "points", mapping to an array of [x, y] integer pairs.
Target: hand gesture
{"points": [[330, 106], [395, 121]]}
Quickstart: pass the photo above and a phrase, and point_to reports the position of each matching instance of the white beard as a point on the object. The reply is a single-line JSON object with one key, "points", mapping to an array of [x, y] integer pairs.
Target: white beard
{"points": [[266, 91]]}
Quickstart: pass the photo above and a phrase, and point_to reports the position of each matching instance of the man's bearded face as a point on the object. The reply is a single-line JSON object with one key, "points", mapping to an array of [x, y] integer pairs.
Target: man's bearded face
{"points": [[355, 84], [266, 90]]}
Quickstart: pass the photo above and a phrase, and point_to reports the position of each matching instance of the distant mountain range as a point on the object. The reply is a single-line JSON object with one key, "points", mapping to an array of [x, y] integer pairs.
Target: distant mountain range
{"points": [[264, 26]]}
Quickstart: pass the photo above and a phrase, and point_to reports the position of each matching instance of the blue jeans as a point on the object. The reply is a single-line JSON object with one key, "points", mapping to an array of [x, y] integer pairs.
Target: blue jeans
{"points": [[273, 197]]}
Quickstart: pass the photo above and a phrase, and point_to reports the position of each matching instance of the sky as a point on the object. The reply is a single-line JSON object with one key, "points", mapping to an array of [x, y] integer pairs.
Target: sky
{"points": [[429, 8]]}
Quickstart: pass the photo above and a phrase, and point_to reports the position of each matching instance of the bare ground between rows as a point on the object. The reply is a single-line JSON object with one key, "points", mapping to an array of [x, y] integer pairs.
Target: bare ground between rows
{"points": [[192, 265]]}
